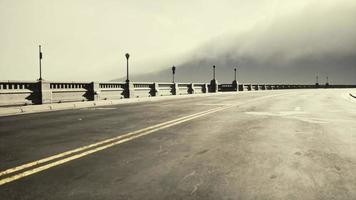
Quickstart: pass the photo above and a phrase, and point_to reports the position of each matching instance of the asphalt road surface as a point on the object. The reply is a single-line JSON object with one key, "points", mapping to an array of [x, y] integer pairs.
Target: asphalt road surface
{"points": [[290, 144]]}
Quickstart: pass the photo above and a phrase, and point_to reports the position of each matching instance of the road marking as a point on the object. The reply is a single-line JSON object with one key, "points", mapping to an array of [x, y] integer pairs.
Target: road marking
{"points": [[91, 151], [105, 144], [212, 104], [31, 164]]}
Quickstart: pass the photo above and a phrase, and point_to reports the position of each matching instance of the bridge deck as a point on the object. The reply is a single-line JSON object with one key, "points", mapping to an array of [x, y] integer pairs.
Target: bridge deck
{"points": [[290, 144]]}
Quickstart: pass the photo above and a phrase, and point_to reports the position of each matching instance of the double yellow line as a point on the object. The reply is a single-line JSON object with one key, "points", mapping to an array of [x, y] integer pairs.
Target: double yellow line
{"points": [[30, 168]]}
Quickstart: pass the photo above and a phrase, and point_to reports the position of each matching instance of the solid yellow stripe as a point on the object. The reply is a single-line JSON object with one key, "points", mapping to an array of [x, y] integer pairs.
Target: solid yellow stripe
{"points": [[37, 162], [144, 131], [59, 162]]}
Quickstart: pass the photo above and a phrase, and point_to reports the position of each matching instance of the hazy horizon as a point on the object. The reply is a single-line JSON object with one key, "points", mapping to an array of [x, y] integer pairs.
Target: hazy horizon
{"points": [[269, 41]]}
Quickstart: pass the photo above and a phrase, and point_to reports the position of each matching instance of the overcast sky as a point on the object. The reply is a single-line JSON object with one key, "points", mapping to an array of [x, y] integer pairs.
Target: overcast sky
{"points": [[87, 39]]}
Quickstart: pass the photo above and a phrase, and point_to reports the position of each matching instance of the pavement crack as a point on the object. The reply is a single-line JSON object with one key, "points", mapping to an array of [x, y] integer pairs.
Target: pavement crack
{"points": [[195, 188], [189, 175]]}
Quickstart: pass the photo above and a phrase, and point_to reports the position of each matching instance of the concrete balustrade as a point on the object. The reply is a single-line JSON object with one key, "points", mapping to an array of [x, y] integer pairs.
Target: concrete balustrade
{"points": [[166, 89], [109, 90], [18, 93], [183, 88], [227, 88], [143, 89], [44, 92]]}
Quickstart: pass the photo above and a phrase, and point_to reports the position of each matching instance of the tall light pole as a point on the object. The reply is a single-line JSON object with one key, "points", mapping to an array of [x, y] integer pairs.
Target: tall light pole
{"points": [[214, 72], [40, 60], [327, 81], [235, 74], [173, 73], [127, 55]]}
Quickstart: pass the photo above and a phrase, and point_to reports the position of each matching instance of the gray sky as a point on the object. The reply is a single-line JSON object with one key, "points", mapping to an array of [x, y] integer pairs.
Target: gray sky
{"points": [[87, 39]]}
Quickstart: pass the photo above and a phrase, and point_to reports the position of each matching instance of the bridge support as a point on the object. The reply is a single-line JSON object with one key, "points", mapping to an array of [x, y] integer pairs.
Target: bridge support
{"points": [[214, 86], [155, 90], [241, 87], [129, 91], [235, 85], [175, 89], [206, 88], [44, 89], [94, 91], [191, 89]]}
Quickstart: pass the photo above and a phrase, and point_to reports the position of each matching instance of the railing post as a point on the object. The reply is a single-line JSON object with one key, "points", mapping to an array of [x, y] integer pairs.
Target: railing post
{"points": [[191, 89], [235, 85], [175, 89], [95, 91], [156, 89], [205, 89], [214, 86], [129, 90], [44, 91]]}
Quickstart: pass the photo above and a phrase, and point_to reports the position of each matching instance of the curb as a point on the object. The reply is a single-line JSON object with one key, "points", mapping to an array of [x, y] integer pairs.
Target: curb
{"points": [[9, 111]]}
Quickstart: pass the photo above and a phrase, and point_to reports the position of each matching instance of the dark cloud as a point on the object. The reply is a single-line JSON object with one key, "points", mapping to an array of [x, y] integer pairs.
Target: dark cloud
{"points": [[290, 49]]}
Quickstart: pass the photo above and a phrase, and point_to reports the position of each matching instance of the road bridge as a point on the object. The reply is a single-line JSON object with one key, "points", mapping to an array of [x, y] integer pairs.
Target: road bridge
{"points": [[277, 144]]}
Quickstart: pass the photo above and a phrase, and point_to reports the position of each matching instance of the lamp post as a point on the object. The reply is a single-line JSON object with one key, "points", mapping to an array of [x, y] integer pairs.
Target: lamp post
{"points": [[214, 72], [40, 60], [235, 74], [127, 55], [327, 81], [173, 73]]}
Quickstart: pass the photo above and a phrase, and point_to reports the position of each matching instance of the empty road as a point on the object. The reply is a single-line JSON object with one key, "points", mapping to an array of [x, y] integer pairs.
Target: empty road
{"points": [[290, 144]]}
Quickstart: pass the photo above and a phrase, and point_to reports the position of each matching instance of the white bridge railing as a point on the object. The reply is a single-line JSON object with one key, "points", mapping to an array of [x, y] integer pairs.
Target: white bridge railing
{"points": [[31, 92]]}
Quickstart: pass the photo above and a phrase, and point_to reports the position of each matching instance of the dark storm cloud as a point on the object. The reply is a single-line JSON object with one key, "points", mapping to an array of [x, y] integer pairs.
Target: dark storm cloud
{"points": [[291, 48]]}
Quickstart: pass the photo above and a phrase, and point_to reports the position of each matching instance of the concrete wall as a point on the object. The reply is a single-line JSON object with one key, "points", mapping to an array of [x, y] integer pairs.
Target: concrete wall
{"points": [[14, 93], [18, 93]]}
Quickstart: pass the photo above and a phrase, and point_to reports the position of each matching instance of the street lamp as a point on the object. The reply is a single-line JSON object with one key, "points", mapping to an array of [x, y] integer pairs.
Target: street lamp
{"points": [[214, 72], [327, 81], [40, 60], [127, 55], [173, 72], [235, 74]]}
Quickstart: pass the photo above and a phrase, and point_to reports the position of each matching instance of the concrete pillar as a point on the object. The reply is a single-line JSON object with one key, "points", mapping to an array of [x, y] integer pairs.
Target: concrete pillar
{"points": [[241, 87], [94, 91], [214, 86], [205, 89], [175, 89], [129, 90], [156, 90], [44, 91], [235, 85], [191, 89]]}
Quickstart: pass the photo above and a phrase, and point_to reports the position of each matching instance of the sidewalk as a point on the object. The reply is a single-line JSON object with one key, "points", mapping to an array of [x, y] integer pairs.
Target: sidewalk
{"points": [[7, 111]]}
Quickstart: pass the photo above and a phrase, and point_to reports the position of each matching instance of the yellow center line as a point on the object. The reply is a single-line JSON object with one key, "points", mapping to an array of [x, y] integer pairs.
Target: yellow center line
{"points": [[37, 162], [105, 144], [91, 151]]}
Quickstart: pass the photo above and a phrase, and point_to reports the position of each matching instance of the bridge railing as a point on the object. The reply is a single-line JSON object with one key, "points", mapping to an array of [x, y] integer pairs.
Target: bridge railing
{"points": [[40, 92], [18, 93], [68, 91], [109, 90]]}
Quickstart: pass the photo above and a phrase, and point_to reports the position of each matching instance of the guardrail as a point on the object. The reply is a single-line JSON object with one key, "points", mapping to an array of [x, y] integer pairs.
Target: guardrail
{"points": [[41, 92]]}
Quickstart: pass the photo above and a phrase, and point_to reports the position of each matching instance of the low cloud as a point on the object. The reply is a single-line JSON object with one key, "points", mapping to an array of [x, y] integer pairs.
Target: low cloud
{"points": [[293, 48]]}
